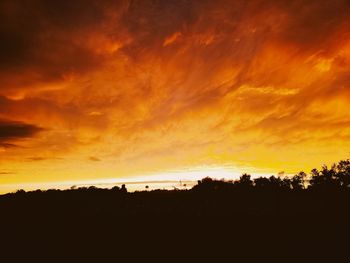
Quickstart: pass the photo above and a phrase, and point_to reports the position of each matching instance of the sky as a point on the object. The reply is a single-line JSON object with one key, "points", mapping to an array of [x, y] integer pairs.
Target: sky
{"points": [[97, 90]]}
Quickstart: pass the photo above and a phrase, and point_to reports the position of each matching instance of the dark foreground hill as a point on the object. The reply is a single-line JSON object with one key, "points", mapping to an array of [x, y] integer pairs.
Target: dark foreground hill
{"points": [[300, 219]]}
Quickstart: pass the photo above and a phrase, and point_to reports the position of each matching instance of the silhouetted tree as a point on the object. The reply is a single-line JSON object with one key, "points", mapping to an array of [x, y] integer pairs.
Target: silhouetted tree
{"points": [[244, 181], [343, 173], [261, 183], [324, 179], [116, 188], [123, 189], [298, 181]]}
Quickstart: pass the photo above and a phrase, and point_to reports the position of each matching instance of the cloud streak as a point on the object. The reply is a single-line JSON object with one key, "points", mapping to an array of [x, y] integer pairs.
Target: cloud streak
{"points": [[14, 131]]}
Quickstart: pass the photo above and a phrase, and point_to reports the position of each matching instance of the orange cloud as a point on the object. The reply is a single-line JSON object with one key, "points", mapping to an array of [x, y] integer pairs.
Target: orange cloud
{"points": [[152, 86]]}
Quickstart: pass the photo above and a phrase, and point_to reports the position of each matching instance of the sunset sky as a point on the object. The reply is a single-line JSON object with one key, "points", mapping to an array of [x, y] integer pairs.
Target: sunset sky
{"points": [[102, 90]]}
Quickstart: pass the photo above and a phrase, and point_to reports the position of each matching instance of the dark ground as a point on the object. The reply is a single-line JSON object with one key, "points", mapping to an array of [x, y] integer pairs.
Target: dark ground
{"points": [[215, 221]]}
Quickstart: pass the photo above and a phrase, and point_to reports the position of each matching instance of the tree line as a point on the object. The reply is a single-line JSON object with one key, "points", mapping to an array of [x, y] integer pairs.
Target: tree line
{"points": [[283, 216], [334, 177]]}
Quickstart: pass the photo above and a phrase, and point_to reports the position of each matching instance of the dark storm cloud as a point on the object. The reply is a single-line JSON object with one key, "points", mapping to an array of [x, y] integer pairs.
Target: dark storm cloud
{"points": [[311, 22], [12, 131], [26, 26], [43, 40], [149, 22], [304, 23]]}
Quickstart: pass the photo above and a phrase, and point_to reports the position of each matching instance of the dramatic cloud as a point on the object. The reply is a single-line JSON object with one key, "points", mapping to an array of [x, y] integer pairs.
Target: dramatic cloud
{"points": [[161, 85], [12, 131]]}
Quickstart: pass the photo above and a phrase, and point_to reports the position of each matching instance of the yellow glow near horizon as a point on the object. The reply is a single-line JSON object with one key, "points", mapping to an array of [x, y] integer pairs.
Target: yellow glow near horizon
{"points": [[169, 178]]}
